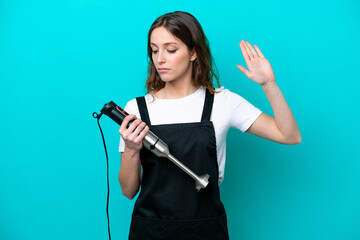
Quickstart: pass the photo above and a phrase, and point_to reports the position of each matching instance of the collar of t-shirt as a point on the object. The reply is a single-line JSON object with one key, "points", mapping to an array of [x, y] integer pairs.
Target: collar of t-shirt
{"points": [[181, 110]]}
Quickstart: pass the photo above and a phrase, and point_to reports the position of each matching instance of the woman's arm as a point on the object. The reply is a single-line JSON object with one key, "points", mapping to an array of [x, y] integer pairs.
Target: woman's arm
{"points": [[283, 127], [130, 172], [130, 169]]}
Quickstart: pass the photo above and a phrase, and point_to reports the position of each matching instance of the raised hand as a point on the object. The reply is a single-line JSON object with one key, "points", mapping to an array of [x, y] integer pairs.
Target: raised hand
{"points": [[260, 70]]}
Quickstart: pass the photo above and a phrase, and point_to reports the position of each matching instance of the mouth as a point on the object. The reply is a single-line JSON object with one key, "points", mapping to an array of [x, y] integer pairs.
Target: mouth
{"points": [[163, 69]]}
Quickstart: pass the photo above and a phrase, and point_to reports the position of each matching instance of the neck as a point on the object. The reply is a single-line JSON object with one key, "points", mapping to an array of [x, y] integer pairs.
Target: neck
{"points": [[173, 91]]}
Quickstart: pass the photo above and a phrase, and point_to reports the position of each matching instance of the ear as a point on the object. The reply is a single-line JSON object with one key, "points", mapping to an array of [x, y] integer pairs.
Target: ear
{"points": [[193, 55]]}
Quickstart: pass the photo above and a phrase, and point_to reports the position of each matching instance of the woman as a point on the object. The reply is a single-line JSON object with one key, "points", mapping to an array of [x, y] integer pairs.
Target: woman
{"points": [[184, 109]]}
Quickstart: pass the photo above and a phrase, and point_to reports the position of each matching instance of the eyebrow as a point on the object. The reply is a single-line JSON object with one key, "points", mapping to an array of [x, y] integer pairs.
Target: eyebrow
{"points": [[168, 43]]}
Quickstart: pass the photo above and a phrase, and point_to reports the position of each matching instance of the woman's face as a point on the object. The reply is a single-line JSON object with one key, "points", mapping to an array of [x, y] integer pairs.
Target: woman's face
{"points": [[170, 55]]}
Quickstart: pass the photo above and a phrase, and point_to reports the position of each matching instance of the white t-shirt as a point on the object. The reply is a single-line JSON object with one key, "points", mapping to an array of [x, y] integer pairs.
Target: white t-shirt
{"points": [[229, 110]]}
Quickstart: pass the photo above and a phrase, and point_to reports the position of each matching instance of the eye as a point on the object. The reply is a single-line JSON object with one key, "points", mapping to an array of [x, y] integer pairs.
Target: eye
{"points": [[172, 51], [154, 51]]}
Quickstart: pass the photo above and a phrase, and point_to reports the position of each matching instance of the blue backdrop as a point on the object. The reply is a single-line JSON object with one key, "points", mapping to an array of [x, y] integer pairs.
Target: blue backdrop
{"points": [[62, 60]]}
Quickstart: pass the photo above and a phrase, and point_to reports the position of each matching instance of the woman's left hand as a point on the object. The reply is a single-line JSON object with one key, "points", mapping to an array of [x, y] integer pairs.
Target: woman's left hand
{"points": [[260, 70]]}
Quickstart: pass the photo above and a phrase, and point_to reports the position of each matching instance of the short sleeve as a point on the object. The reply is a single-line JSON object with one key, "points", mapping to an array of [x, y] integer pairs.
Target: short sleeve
{"points": [[243, 113]]}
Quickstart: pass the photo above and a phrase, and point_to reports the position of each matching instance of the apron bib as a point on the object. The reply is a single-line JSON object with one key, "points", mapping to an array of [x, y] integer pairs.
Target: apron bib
{"points": [[169, 206]]}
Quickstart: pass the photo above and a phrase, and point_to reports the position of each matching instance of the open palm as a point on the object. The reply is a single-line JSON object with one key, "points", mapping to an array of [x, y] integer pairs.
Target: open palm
{"points": [[260, 70]]}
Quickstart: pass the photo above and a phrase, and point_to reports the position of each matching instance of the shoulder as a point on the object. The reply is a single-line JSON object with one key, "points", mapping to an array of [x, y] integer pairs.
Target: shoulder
{"points": [[225, 96], [237, 108], [133, 102], [131, 105], [224, 92]]}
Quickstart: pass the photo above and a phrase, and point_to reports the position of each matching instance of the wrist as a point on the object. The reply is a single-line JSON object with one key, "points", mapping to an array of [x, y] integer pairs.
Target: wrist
{"points": [[269, 85], [131, 152]]}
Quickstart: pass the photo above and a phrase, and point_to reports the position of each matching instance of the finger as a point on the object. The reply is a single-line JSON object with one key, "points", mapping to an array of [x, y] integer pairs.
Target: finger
{"points": [[131, 132], [243, 50], [134, 125], [139, 128], [125, 122], [243, 70], [259, 52], [142, 134], [252, 54], [247, 50]]}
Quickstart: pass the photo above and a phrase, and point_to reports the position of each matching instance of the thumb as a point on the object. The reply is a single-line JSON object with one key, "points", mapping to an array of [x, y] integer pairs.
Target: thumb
{"points": [[243, 70]]}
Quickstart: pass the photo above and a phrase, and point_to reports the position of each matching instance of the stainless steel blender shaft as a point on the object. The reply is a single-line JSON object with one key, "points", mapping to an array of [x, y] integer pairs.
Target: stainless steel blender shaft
{"points": [[161, 149]]}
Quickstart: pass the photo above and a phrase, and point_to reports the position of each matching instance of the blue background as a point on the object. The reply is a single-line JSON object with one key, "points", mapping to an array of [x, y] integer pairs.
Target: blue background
{"points": [[62, 60]]}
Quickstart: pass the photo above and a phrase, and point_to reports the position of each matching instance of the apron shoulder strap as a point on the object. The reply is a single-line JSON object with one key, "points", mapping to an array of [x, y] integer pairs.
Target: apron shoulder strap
{"points": [[144, 114], [209, 99]]}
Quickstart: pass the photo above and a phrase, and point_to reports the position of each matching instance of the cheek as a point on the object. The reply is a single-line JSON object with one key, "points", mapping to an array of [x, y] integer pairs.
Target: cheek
{"points": [[180, 60]]}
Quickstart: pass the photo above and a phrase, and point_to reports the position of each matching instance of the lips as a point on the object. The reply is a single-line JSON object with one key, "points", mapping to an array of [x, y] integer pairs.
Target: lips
{"points": [[163, 69]]}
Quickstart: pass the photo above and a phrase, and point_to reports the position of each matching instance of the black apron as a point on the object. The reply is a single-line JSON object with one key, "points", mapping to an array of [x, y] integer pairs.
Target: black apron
{"points": [[169, 206]]}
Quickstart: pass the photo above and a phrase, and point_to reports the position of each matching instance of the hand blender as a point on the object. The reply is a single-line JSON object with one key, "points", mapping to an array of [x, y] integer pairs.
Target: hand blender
{"points": [[153, 143]]}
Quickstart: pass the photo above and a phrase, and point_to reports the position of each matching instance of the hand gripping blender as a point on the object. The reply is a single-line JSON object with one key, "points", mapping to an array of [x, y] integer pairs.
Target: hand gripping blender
{"points": [[153, 143]]}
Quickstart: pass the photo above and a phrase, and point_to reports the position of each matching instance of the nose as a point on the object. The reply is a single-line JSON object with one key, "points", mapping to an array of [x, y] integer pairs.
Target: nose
{"points": [[160, 57]]}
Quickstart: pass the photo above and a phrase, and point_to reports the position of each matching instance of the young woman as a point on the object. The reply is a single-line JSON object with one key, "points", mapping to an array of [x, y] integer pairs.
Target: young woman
{"points": [[184, 109]]}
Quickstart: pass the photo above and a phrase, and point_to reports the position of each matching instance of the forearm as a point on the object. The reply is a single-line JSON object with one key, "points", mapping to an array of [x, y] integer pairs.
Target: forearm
{"points": [[130, 173], [284, 118]]}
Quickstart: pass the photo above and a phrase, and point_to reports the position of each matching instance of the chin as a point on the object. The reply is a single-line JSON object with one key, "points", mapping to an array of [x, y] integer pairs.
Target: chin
{"points": [[166, 79]]}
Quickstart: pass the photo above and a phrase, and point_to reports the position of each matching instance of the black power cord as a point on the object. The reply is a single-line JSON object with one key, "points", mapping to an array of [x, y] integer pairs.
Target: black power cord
{"points": [[97, 116]]}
